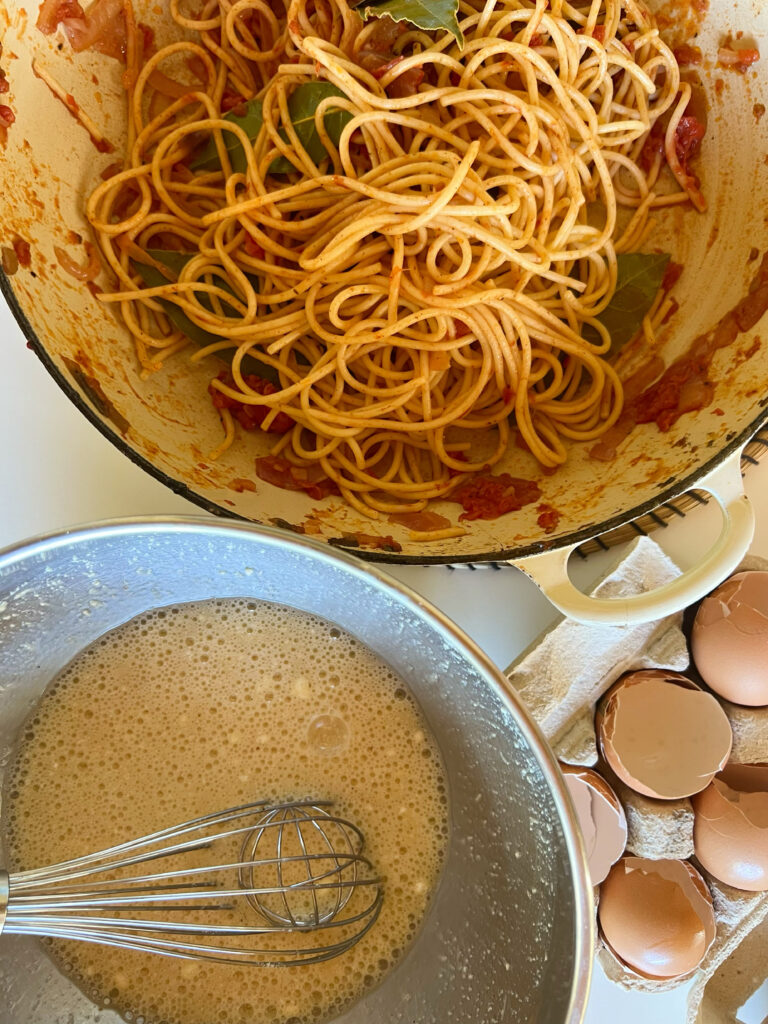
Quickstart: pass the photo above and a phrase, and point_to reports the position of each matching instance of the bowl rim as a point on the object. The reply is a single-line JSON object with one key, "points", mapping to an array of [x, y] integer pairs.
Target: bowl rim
{"points": [[14, 557], [671, 489]]}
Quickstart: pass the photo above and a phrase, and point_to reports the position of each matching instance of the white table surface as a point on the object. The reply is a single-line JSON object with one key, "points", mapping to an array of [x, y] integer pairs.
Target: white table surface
{"points": [[56, 470]]}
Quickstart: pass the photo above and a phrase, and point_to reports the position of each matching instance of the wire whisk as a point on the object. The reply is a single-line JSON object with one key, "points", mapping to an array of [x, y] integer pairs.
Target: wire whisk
{"points": [[292, 874]]}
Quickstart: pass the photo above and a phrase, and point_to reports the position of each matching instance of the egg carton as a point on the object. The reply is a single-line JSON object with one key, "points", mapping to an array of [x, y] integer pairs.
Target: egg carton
{"points": [[562, 676]]}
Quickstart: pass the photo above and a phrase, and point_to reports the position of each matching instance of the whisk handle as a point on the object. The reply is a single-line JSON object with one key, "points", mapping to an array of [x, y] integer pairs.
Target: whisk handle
{"points": [[5, 889]]}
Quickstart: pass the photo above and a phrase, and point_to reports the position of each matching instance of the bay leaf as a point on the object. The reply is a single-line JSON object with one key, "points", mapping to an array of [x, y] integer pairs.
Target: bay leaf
{"points": [[154, 278], [638, 279], [171, 258], [250, 120], [431, 15], [176, 261], [302, 104]]}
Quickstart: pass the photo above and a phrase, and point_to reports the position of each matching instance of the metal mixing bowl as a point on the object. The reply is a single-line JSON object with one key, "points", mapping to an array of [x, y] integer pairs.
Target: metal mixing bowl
{"points": [[508, 937]]}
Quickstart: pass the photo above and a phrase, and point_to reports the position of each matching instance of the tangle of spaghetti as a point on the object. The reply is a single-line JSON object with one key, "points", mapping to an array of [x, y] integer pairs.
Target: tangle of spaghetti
{"points": [[435, 278]]}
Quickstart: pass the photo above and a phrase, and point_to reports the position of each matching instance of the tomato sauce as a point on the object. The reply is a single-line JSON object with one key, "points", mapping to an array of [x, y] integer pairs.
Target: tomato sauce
{"points": [[688, 135], [23, 252], [656, 395], [7, 116], [421, 522], [653, 147], [489, 496], [737, 59]]}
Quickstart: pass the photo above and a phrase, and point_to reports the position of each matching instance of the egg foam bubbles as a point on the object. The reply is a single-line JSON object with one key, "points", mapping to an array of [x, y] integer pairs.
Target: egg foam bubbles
{"points": [[195, 708]]}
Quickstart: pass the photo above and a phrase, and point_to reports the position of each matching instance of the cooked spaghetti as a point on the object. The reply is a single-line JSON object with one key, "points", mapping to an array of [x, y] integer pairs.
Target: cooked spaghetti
{"points": [[428, 272]]}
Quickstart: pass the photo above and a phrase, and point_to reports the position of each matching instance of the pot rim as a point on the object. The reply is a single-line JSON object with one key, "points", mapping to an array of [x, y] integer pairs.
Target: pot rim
{"points": [[673, 489], [15, 555]]}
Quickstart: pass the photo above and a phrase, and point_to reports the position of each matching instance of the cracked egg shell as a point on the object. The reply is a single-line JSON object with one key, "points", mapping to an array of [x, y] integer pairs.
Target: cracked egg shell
{"points": [[729, 641], [656, 916], [730, 829], [601, 817], [662, 734]]}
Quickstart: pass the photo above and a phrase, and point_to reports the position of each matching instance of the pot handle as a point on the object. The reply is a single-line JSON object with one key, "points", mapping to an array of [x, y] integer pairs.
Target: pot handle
{"points": [[549, 570]]}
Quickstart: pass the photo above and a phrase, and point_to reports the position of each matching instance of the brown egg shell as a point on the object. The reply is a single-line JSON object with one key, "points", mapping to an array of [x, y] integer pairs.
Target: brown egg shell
{"points": [[729, 639], [601, 817], [653, 740], [730, 831], [656, 917]]}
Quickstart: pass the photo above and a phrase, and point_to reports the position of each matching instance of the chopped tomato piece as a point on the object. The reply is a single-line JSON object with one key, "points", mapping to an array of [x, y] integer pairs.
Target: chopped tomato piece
{"points": [[458, 457], [282, 473], [378, 58], [653, 147], [688, 135], [386, 66], [406, 84], [231, 101], [382, 37], [252, 247], [548, 518], [251, 417], [686, 54], [671, 276], [598, 33], [682, 388]]}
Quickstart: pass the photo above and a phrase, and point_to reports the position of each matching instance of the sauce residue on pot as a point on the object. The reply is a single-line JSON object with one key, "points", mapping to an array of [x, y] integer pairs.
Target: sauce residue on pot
{"points": [[7, 116], [195, 708], [681, 20], [655, 395]]}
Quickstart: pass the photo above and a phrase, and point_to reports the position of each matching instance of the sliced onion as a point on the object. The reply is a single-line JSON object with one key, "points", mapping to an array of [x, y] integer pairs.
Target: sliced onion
{"points": [[730, 57], [168, 87], [52, 12], [103, 28], [423, 522], [87, 273]]}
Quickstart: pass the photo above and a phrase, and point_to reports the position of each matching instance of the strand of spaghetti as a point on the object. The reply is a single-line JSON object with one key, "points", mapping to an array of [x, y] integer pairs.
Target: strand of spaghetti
{"points": [[98, 138]]}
